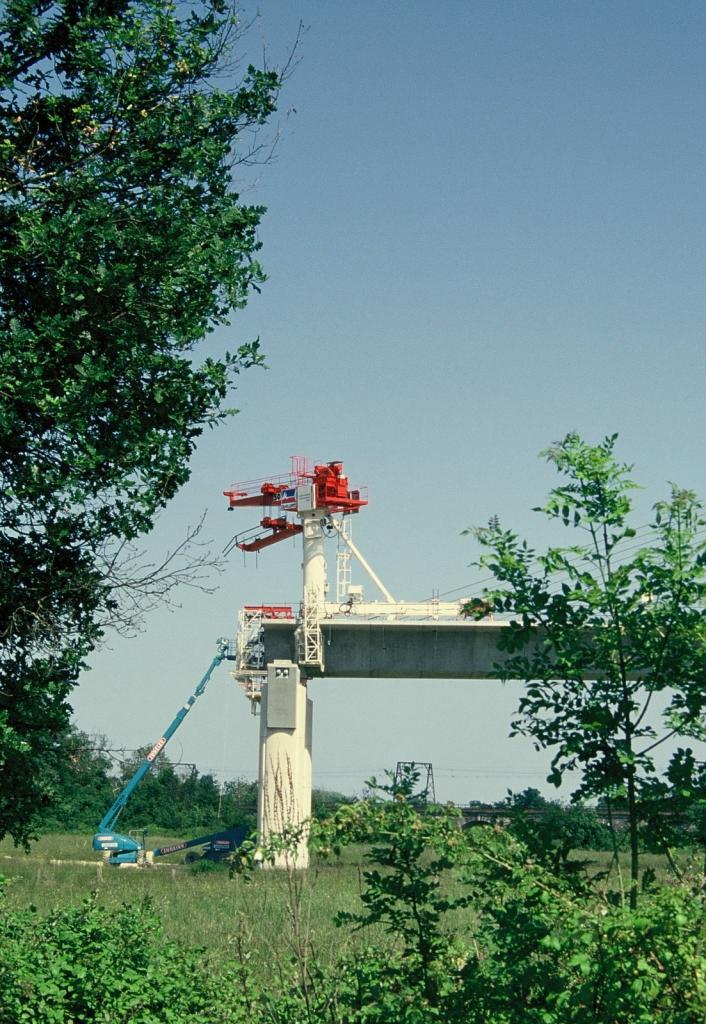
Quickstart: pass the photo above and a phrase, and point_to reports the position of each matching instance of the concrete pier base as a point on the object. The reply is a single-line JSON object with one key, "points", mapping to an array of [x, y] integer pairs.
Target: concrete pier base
{"points": [[284, 790]]}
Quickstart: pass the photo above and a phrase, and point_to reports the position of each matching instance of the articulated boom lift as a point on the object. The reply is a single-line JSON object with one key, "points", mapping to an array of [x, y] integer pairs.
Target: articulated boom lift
{"points": [[120, 849]]}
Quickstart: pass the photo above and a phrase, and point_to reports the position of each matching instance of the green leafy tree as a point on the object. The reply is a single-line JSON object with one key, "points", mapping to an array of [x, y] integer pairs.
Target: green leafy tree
{"points": [[165, 798], [155, 803], [81, 787], [552, 832], [675, 815], [325, 802], [199, 795], [410, 856], [239, 803], [122, 245], [169, 800], [601, 627]]}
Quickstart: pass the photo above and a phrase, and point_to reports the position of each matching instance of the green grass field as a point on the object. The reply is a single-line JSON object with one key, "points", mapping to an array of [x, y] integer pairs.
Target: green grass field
{"points": [[268, 916]]}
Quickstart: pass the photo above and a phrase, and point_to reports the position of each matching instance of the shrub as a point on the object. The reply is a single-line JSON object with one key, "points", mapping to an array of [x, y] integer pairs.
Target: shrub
{"points": [[91, 963]]}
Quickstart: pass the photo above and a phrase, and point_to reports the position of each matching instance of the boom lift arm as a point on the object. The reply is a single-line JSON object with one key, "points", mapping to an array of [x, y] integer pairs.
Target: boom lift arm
{"points": [[122, 849]]}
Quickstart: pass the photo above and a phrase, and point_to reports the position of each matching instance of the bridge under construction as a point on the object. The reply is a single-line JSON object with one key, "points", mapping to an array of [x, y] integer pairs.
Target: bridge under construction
{"points": [[279, 648]]}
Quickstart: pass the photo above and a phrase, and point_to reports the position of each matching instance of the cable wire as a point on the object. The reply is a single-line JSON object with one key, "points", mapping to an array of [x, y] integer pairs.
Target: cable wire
{"points": [[577, 559]]}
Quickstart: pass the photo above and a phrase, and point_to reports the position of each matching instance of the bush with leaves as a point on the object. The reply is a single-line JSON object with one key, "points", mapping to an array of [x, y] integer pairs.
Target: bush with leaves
{"points": [[552, 832], [90, 963], [553, 954], [538, 947]]}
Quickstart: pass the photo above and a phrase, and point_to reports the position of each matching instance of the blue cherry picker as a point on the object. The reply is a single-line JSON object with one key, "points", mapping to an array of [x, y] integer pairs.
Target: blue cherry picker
{"points": [[119, 849]]}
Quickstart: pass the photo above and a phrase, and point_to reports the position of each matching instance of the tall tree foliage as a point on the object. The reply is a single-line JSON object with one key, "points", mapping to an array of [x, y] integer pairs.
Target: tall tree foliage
{"points": [[122, 244], [166, 799], [80, 785], [602, 627]]}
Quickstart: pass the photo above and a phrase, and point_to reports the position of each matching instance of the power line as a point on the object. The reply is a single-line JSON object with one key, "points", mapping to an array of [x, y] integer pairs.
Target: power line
{"points": [[646, 528]]}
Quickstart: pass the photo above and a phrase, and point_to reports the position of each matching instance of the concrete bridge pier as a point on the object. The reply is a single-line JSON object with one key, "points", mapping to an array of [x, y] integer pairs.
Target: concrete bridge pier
{"points": [[284, 781]]}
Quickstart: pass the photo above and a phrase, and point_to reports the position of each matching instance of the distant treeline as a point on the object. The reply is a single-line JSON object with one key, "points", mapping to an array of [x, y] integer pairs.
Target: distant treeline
{"points": [[179, 799], [553, 831], [168, 798]]}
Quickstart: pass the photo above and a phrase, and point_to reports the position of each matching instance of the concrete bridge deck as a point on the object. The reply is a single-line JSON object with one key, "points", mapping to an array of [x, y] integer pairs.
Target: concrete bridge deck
{"points": [[362, 647]]}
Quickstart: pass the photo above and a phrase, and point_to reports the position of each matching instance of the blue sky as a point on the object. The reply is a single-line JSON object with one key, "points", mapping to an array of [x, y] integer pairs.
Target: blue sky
{"points": [[485, 227]]}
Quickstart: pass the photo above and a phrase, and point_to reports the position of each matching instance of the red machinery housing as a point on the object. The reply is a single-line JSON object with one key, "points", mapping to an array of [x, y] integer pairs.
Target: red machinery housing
{"points": [[331, 492]]}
